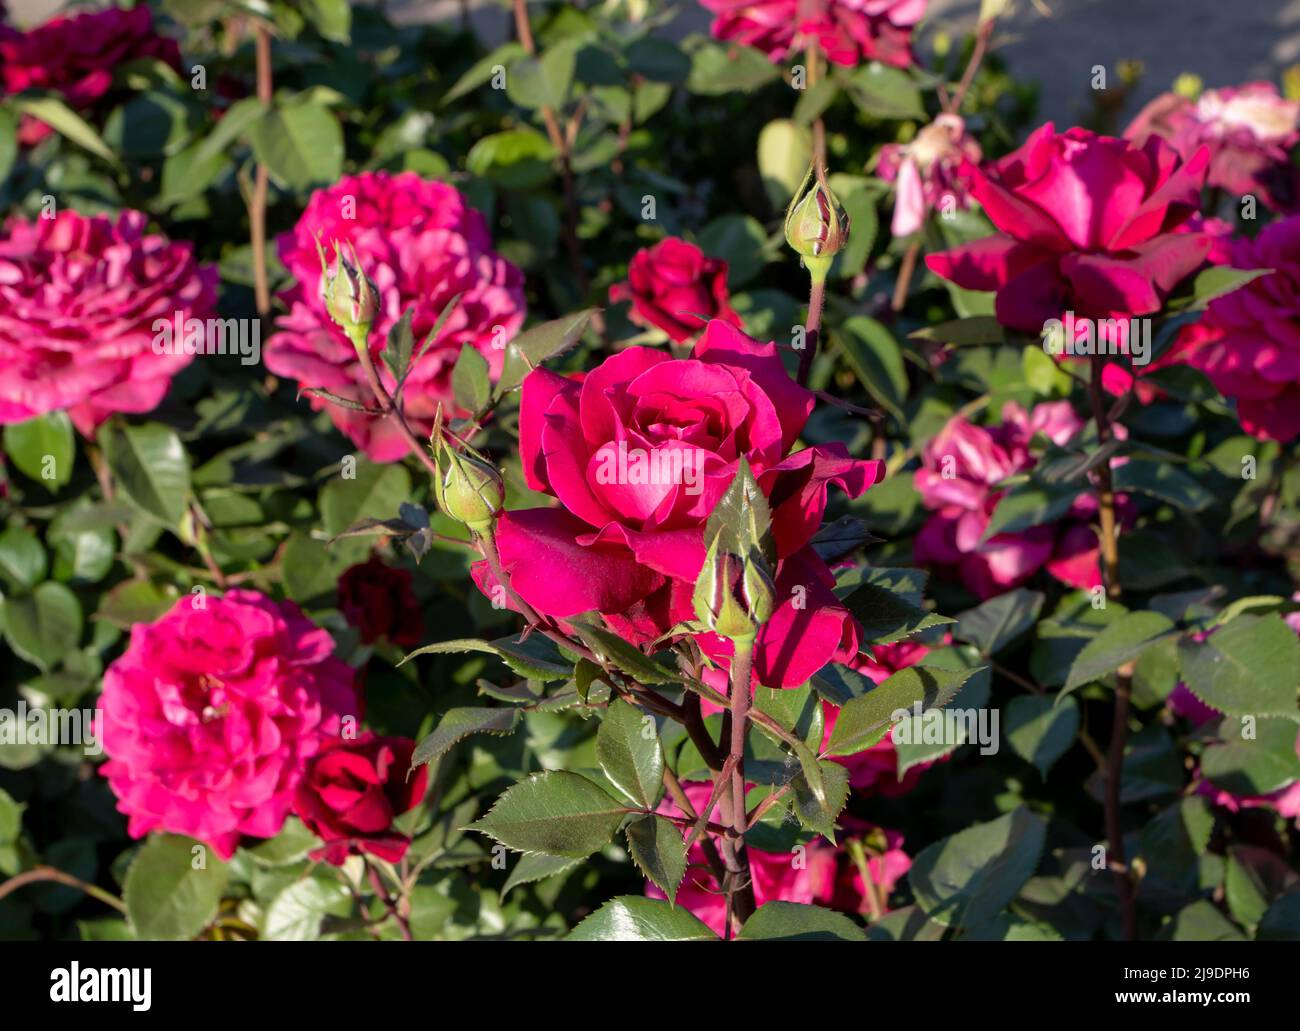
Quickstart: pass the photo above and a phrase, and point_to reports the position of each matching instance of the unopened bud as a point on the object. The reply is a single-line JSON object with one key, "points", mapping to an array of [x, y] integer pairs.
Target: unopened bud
{"points": [[816, 225], [468, 489], [734, 596], [351, 298]]}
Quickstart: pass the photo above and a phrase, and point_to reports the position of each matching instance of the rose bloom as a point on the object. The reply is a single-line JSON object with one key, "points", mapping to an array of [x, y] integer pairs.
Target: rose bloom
{"points": [[638, 452], [380, 602], [674, 287], [929, 171], [824, 876], [1250, 131], [960, 468], [875, 770], [212, 712], [79, 297], [1088, 226], [1248, 341], [422, 245], [76, 57], [353, 790], [850, 32]]}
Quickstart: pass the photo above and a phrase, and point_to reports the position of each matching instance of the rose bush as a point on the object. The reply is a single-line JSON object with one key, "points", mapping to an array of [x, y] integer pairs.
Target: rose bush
{"points": [[620, 483]]}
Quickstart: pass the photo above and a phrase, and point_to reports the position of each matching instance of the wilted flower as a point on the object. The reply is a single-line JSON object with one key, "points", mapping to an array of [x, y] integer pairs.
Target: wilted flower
{"points": [[928, 171], [1250, 131]]}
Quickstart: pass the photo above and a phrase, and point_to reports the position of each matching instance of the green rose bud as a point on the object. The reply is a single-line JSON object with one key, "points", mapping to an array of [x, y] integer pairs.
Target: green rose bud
{"points": [[350, 297], [734, 596], [816, 225], [468, 489]]}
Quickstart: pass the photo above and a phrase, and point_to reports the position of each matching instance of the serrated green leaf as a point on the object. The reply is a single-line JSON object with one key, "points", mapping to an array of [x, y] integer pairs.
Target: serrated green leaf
{"points": [[458, 724], [792, 921], [659, 851], [167, 898], [633, 761], [631, 918], [559, 813]]}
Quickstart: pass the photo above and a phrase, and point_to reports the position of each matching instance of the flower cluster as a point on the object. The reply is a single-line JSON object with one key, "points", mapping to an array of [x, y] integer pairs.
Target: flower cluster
{"points": [[424, 247], [79, 297]]}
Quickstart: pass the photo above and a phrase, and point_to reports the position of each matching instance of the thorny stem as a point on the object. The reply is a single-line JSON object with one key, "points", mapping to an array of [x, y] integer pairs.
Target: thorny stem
{"points": [[391, 904], [739, 884], [1123, 677], [257, 203], [38, 874], [389, 408]]}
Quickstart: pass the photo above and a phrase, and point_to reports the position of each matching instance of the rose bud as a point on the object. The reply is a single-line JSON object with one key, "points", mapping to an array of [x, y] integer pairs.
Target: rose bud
{"points": [[733, 596], [350, 297], [816, 225], [469, 489]]}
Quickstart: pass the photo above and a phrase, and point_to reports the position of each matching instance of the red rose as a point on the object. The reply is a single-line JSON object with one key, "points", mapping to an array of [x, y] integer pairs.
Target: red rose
{"points": [[353, 790], [379, 601], [673, 286]]}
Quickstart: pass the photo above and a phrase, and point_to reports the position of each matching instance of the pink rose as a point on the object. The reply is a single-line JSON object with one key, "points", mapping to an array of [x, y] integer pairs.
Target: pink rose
{"points": [[638, 452], [77, 56], [850, 32], [960, 469], [211, 714], [1089, 227], [928, 172], [422, 245], [674, 287], [1249, 130], [79, 297], [353, 790], [1248, 341]]}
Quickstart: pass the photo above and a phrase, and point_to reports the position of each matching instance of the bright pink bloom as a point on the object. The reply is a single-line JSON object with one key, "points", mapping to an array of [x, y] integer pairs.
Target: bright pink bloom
{"points": [[79, 297], [210, 716], [422, 245], [817, 874], [1250, 131], [76, 56], [929, 172], [960, 470], [1248, 341], [674, 287], [850, 32], [1089, 227], [353, 790], [638, 452]]}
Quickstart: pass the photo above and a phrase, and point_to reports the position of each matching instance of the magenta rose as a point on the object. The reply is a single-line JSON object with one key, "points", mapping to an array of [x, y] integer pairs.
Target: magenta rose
{"points": [[1248, 341], [380, 602], [1250, 131], [674, 287], [76, 57], [211, 713], [1088, 224], [929, 172], [353, 790], [422, 245], [79, 298], [638, 452], [960, 470], [850, 32], [819, 874]]}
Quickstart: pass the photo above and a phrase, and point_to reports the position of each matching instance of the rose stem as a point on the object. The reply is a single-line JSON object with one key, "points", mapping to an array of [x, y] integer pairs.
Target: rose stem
{"points": [[257, 203], [1123, 676], [563, 150], [739, 885], [48, 873], [381, 890], [812, 329], [982, 36]]}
